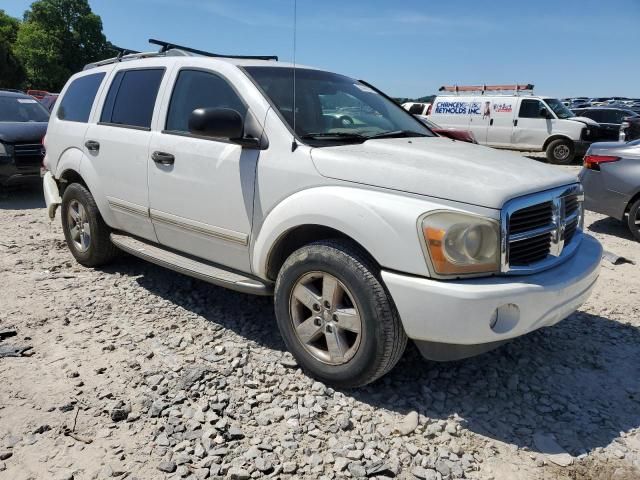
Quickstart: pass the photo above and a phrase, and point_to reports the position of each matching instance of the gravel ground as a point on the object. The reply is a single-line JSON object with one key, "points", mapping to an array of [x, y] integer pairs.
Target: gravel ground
{"points": [[138, 372]]}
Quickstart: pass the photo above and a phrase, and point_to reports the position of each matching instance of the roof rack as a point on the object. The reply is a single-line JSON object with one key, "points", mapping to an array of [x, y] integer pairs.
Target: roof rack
{"points": [[166, 49], [166, 46], [526, 87]]}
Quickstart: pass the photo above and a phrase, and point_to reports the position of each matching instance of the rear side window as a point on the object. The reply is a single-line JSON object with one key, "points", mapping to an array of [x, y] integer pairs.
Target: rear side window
{"points": [[197, 89], [530, 109], [78, 100], [416, 109], [132, 98]]}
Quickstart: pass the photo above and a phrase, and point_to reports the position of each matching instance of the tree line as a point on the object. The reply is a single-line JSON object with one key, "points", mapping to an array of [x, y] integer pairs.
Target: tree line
{"points": [[53, 40]]}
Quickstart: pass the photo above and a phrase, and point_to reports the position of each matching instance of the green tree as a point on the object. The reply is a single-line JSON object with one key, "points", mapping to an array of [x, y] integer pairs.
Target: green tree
{"points": [[11, 71], [56, 39]]}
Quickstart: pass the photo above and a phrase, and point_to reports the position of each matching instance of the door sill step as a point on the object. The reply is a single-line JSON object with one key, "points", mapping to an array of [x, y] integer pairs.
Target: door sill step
{"points": [[188, 266]]}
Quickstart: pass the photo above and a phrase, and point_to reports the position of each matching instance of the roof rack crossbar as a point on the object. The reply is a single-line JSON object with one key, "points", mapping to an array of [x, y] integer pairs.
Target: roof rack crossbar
{"points": [[166, 46], [487, 88]]}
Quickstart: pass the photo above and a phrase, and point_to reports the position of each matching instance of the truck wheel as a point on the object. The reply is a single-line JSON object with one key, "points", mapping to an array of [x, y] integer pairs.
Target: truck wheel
{"points": [[634, 220], [335, 315], [561, 152], [84, 229]]}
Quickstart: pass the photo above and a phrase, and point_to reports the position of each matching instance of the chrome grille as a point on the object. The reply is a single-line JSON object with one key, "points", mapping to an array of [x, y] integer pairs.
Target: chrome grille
{"points": [[28, 155], [541, 229]]}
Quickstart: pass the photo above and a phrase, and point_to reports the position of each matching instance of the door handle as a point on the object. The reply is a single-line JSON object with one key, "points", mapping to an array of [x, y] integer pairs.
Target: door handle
{"points": [[491, 122], [163, 158], [515, 122], [92, 145]]}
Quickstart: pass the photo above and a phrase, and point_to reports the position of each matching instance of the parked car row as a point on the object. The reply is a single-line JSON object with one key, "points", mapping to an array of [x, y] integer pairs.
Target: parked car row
{"points": [[585, 102]]}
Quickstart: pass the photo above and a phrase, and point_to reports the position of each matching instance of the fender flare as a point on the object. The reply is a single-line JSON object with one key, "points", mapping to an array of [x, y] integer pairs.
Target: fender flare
{"points": [[385, 224]]}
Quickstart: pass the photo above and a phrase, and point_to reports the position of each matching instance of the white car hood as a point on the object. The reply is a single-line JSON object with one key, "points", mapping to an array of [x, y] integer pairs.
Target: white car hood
{"points": [[439, 167], [586, 121]]}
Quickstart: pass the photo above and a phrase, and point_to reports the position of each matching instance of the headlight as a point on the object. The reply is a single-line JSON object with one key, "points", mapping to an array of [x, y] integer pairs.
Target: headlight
{"points": [[3, 150], [460, 244]]}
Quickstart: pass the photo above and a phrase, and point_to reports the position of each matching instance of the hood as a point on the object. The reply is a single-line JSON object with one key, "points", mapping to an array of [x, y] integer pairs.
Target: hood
{"points": [[439, 167], [586, 121], [22, 132]]}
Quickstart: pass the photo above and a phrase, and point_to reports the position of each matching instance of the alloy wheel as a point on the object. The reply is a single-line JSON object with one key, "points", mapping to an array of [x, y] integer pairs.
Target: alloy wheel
{"points": [[79, 226], [325, 318]]}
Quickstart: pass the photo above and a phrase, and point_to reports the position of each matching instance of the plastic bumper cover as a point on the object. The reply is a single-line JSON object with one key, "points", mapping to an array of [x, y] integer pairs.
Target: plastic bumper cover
{"points": [[495, 309]]}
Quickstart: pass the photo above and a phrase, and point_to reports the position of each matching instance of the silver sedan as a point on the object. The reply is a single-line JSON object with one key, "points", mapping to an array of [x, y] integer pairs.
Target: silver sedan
{"points": [[611, 179]]}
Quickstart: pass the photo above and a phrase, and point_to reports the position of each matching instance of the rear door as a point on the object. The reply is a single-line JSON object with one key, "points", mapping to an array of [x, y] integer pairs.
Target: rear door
{"points": [[530, 128], [500, 130], [118, 146], [480, 118]]}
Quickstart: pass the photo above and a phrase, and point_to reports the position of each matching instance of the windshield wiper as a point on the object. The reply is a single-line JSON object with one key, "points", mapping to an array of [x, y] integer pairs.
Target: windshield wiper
{"points": [[334, 134], [397, 134]]}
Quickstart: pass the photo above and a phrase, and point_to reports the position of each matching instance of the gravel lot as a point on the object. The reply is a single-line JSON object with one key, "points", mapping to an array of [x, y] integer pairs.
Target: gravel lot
{"points": [[138, 372]]}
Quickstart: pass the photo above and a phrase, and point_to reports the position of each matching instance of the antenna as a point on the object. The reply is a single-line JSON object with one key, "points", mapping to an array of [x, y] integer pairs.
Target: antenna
{"points": [[294, 144]]}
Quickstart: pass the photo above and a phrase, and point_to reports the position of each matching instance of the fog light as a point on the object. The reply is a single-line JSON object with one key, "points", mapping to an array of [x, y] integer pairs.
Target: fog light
{"points": [[505, 318]]}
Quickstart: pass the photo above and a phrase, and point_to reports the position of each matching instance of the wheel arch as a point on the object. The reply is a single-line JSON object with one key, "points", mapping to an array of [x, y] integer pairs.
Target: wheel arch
{"points": [[634, 198], [555, 137], [297, 237]]}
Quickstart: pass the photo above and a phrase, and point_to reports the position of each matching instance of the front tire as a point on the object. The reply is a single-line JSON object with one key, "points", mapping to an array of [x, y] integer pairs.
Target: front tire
{"points": [[87, 235], [335, 315], [561, 152], [633, 220]]}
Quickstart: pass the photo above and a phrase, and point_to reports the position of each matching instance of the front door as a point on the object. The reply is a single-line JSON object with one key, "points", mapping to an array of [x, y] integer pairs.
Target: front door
{"points": [[118, 147], [480, 118], [201, 189], [530, 128]]}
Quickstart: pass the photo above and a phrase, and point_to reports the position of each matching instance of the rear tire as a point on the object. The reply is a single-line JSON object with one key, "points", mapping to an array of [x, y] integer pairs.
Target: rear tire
{"points": [[561, 152], [349, 338], [633, 220], [87, 235]]}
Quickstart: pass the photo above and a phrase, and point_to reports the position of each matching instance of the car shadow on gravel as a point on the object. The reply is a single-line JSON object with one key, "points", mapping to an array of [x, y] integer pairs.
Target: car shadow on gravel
{"points": [[579, 381], [22, 197], [611, 226]]}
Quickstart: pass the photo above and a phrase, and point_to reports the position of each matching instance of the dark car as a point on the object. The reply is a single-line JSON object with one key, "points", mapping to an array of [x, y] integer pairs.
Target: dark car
{"points": [[611, 180], [23, 124], [452, 133], [630, 129], [609, 118], [50, 100]]}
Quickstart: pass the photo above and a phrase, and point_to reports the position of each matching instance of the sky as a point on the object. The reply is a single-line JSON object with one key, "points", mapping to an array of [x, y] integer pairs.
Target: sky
{"points": [[406, 48]]}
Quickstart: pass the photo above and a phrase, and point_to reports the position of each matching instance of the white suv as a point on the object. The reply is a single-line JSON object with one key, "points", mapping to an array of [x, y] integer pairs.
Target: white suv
{"points": [[366, 227]]}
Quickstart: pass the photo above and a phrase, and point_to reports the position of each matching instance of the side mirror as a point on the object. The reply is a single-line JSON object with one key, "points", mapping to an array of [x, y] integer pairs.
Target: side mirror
{"points": [[544, 113], [217, 123]]}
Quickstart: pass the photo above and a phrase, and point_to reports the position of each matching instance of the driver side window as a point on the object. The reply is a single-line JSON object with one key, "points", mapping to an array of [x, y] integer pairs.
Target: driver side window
{"points": [[530, 109], [197, 89]]}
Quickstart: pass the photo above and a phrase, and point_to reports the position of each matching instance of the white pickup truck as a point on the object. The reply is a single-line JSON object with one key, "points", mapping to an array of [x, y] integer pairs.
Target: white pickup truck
{"points": [[368, 229]]}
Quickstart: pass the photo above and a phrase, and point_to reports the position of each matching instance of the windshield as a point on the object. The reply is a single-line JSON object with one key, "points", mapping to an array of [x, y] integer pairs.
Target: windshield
{"points": [[559, 108], [22, 109], [332, 108]]}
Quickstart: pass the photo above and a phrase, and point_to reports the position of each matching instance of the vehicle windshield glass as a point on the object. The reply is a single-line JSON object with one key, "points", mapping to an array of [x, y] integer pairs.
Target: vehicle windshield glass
{"points": [[22, 109], [559, 108], [331, 108]]}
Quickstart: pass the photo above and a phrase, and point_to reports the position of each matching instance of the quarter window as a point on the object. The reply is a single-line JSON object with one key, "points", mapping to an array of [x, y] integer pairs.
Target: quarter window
{"points": [[197, 89], [132, 98], [416, 109], [530, 109], [78, 100]]}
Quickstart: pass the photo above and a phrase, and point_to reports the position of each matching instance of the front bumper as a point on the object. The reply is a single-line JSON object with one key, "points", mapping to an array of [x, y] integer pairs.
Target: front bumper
{"points": [[491, 310], [51, 194]]}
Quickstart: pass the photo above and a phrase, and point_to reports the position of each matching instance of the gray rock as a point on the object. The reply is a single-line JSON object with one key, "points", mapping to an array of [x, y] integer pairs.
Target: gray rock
{"points": [[355, 454], [443, 468], [408, 424], [120, 411], [168, 467], [424, 473], [235, 433], [263, 464], [340, 464], [357, 470], [289, 467], [236, 473], [5, 454], [157, 407]]}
